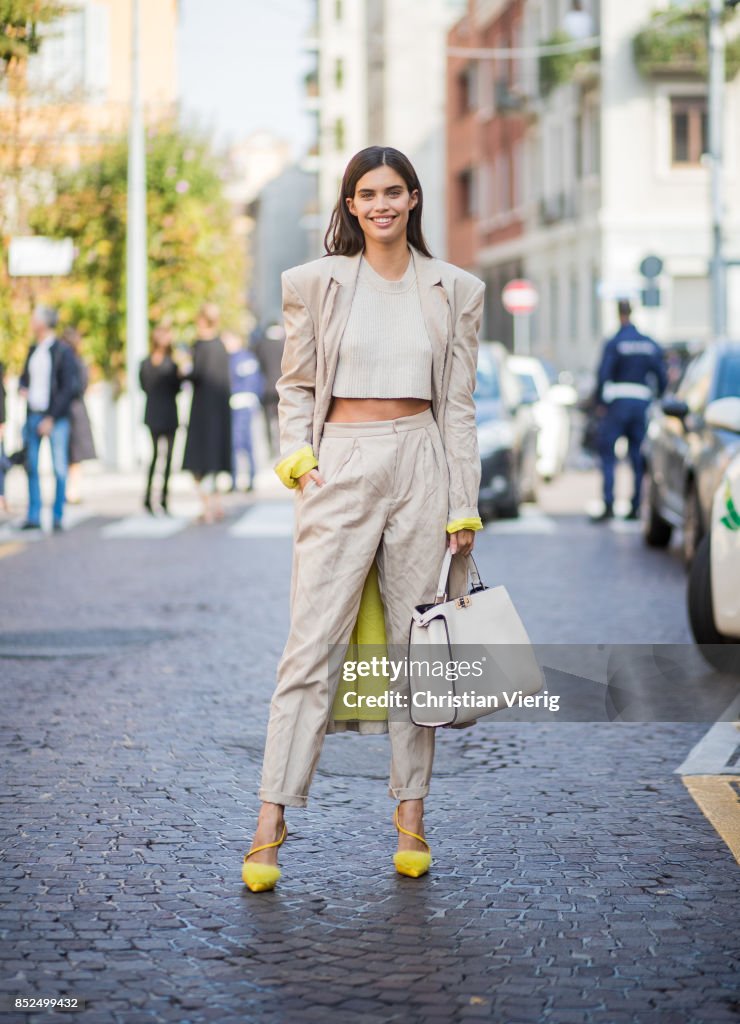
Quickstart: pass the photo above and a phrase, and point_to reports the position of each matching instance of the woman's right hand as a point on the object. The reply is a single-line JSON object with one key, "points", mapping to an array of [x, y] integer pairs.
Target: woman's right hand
{"points": [[313, 474]]}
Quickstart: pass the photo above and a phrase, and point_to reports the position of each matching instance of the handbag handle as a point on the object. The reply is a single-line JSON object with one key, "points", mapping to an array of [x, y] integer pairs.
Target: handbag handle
{"points": [[477, 584]]}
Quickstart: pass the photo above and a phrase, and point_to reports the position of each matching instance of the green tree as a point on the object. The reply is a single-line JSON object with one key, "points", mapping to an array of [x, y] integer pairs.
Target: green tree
{"points": [[194, 254], [20, 21]]}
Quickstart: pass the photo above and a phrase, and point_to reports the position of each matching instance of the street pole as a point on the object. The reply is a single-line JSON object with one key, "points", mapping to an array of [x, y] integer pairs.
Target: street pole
{"points": [[136, 250], [521, 334], [718, 270]]}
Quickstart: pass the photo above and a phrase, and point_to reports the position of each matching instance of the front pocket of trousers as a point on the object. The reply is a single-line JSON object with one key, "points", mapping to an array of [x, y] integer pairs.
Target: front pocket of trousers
{"points": [[331, 472]]}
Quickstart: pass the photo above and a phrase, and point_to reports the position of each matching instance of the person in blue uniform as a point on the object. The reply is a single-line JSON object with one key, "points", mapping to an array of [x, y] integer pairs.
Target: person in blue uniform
{"points": [[632, 373], [247, 385]]}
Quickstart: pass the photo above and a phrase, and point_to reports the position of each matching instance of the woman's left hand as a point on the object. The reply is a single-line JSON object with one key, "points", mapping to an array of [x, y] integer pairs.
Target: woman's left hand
{"points": [[461, 543]]}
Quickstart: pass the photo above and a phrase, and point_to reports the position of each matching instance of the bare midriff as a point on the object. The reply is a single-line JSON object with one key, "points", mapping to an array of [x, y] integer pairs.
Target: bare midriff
{"points": [[368, 410]]}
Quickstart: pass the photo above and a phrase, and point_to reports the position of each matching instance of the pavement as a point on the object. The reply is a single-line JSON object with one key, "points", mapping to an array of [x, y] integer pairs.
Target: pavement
{"points": [[576, 880]]}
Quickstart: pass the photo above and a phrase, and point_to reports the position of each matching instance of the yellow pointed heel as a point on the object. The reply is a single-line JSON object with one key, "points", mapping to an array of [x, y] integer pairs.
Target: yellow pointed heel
{"points": [[262, 877], [413, 863]]}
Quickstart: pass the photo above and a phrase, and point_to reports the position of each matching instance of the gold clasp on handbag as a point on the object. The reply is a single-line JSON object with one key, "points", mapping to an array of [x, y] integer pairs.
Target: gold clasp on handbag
{"points": [[462, 602]]}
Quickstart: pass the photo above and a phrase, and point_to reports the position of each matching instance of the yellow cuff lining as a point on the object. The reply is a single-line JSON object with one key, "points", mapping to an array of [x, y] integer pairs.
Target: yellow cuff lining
{"points": [[471, 523], [295, 465]]}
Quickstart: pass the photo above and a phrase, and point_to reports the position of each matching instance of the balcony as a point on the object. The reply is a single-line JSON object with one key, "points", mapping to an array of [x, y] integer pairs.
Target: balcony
{"points": [[311, 95], [674, 44], [560, 68]]}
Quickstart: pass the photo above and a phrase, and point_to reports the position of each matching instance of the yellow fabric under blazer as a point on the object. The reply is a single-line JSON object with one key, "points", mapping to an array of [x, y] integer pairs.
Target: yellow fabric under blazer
{"points": [[317, 298]]}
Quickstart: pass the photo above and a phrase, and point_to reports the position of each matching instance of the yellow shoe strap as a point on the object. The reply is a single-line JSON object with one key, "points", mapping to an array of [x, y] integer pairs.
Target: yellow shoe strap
{"points": [[268, 846], [412, 834]]}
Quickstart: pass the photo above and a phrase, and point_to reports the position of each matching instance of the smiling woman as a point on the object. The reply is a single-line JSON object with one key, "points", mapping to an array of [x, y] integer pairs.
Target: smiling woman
{"points": [[377, 429]]}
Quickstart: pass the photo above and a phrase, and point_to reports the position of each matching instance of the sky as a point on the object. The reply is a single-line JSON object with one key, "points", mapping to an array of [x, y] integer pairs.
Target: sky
{"points": [[241, 68]]}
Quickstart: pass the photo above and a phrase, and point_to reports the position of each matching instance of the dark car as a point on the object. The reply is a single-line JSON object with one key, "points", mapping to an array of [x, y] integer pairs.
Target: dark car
{"points": [[507, 436], [685, 457]]}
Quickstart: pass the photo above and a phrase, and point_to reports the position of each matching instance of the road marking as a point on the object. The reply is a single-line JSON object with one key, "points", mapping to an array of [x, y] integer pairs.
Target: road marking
{"points": [[268, 519], [710, 773], [10, 548], [531, 521], [716, 753], [718, 798], [144, 526]]}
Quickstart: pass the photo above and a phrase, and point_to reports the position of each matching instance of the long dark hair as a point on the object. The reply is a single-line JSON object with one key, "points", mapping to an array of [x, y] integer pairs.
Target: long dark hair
{"points": [[344, 235]]}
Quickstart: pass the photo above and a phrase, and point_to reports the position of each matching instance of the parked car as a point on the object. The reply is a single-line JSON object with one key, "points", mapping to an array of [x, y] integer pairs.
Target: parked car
{"points": [[687, 454], [549, 402], [507, 436], [713, 590]]}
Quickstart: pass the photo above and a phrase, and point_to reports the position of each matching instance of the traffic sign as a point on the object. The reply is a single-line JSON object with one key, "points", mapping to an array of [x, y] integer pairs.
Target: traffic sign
{"points": [[520, 297], [36, 256], [651, 266]]}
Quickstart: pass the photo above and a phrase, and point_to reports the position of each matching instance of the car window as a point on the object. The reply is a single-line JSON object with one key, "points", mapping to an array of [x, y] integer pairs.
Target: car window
{"points": [[728, 378], [487, 383], [529, 387], [696, 382]]}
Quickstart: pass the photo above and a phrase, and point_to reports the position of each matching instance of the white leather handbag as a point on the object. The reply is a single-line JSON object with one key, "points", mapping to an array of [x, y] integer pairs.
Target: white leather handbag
{"points": [[468, 657]]}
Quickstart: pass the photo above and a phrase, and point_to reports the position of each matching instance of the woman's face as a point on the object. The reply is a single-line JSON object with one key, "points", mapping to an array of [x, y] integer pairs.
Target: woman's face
{"points": [[382, 203]]}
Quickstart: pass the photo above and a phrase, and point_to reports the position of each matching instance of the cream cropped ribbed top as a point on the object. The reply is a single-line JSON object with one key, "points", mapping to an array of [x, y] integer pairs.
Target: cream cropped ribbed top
{"points": [[385, 350]]}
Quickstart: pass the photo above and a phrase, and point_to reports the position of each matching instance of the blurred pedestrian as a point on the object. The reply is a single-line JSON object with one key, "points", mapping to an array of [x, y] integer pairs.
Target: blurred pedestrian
{"points": [[268, 345], [160, 381], [247, 385], [5, 462], [208, 445], [81, 443], [632, 373], [49, 383]]}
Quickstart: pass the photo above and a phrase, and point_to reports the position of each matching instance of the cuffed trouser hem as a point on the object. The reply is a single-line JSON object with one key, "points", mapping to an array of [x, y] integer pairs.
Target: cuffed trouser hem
{"points": [[414, 793], [271, 796]]}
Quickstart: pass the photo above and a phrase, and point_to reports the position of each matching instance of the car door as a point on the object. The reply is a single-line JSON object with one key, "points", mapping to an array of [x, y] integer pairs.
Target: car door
{"points": [[717, 446], [689, 433]]}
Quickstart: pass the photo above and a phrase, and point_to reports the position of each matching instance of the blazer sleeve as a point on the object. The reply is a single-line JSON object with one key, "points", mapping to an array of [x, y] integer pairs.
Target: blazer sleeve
{"points": [[460, 433], [296, 388]]}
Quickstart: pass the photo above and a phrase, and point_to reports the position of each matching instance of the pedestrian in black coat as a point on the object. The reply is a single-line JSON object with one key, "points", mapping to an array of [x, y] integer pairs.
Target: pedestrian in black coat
{"points": [[160, 381], [208, 445], [81, 443], [4, 461]]}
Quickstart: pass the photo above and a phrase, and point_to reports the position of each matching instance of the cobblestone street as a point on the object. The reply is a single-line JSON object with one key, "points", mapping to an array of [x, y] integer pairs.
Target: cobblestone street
{"points": [[574, 877]]}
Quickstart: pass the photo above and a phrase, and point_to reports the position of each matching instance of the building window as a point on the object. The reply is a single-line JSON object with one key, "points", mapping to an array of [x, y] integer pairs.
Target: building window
{"points": [[339, 73], [339, 134], [467, 84], [689, 125], [573, 310], [595, 303], [554, 308], [466, 192]]}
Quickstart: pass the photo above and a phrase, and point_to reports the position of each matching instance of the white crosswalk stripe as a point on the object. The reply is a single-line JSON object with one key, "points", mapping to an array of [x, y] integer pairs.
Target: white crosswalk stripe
{"points": [[139, 527], [531, 521], [73, 516], [268, 519]]}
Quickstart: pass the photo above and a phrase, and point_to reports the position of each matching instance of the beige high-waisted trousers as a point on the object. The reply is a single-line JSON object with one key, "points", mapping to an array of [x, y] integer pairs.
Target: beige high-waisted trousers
{"points": [[385, 494]]}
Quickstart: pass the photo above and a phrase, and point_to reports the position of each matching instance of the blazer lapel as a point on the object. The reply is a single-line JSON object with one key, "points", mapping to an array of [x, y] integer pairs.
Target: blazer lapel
{"points": [[337, 308], [437, 315]]}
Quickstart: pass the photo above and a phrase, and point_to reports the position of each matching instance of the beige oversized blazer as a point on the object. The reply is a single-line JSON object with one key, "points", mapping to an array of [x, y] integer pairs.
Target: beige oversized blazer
{"points": [[317, 298]]}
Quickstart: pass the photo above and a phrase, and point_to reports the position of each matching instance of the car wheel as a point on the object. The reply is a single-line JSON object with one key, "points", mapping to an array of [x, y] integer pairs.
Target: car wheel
{"points": [[655, 530], [720, 651], [692, 531]]}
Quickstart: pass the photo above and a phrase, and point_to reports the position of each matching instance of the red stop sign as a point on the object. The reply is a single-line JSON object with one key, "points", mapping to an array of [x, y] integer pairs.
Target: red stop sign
{"points": [[520, 296]]}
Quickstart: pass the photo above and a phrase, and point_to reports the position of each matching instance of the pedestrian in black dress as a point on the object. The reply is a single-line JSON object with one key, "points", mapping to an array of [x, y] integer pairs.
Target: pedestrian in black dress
{"points": [[160, 381], [4, 460], [208, 445], [81, 443]]}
